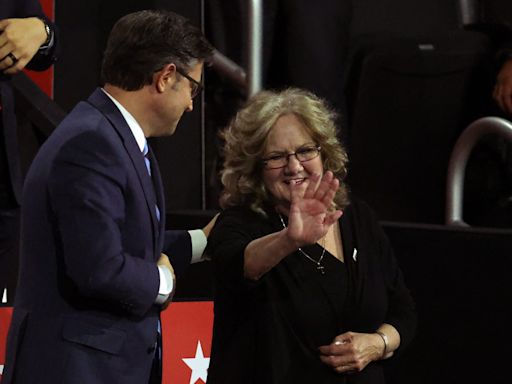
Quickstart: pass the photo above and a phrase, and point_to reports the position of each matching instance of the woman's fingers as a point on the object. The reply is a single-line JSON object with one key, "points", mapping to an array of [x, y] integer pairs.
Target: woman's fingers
{"points": [[330, 193], [299, 192], [335, 356], [332, 217], [312, 185], [323, 186], [324, 190]]}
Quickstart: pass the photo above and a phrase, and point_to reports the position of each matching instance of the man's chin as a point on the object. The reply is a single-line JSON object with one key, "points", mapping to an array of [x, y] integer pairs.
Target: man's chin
{"points": [[170, 131]]}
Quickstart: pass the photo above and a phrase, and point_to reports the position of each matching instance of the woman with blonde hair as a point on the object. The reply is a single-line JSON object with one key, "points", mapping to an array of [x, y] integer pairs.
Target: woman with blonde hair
{"points": [[307, 287]]}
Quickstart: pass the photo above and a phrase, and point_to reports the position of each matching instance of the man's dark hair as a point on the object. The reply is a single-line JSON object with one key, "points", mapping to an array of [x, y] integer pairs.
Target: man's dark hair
{"points": [[142, 43]]}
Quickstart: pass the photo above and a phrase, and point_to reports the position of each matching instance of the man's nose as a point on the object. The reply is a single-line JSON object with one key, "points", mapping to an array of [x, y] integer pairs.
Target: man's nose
{"points": [[190, 106]]}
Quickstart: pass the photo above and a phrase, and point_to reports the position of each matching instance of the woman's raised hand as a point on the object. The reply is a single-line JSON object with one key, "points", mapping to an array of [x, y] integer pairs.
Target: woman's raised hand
{"points": [[311, 211]]}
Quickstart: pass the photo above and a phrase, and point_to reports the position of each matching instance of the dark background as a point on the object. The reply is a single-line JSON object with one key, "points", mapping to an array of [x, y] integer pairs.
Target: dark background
{"points": [[84, 27], [304, 46], [458, 277]]}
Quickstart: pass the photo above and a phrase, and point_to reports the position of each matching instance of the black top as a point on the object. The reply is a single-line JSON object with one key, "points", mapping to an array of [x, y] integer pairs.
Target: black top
{"points": [[269, 331]]}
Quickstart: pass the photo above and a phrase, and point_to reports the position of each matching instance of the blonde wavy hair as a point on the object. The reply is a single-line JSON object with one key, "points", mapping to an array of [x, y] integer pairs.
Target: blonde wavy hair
{"points": [[245, 141]]}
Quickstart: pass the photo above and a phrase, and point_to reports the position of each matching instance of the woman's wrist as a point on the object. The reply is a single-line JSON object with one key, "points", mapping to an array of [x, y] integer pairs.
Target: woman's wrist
{"points": [[385, 342], [288, 244], [264, 253]]}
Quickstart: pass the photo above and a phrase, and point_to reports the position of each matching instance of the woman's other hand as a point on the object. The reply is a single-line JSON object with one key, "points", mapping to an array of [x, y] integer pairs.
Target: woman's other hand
{"points": [[351, 351]]}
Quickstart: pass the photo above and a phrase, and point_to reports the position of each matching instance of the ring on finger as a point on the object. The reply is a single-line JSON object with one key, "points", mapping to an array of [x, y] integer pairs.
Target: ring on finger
{"points": [[11, 56]]}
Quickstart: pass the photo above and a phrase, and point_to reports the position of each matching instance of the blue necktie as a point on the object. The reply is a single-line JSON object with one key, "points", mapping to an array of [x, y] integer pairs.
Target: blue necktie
{"points": [[145, 152]]}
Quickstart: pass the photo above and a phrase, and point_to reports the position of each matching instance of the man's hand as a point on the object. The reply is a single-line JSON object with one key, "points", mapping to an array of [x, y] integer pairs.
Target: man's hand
{"points": [[163, 261], [19, 41], [207, 229]]}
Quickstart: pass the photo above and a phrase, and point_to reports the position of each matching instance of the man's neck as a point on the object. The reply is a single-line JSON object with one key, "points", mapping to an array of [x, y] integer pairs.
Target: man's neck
{"points": [[133, 102]]}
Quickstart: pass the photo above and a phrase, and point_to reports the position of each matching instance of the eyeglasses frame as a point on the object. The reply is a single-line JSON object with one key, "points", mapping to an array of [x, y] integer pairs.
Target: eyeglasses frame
{"points": [[198, 84], [287, 156]]}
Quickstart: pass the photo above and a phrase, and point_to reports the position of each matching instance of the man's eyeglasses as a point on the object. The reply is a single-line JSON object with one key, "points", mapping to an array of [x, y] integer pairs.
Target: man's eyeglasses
{"points": [[280, 160], [195, 86]]}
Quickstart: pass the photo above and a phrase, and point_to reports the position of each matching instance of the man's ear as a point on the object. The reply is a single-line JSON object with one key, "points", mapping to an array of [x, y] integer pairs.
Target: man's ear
{"points": [[166, 77]]}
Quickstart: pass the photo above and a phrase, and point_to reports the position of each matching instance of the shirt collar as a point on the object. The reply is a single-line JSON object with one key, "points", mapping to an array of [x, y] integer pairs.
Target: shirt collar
{"points": [[135, 127]]}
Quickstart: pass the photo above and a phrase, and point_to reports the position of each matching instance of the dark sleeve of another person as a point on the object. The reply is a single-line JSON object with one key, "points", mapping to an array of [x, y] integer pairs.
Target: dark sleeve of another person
{"points": [[44, 58]]}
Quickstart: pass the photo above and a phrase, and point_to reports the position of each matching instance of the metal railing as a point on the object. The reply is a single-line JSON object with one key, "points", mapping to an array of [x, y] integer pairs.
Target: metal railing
{"points": [[250, 81], [255, 45], [468, 12], [458, 161]]}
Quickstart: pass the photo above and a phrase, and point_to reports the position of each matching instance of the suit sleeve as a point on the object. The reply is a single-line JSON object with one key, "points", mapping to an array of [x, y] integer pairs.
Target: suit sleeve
{"points": [[88, 195], [178, 247]]}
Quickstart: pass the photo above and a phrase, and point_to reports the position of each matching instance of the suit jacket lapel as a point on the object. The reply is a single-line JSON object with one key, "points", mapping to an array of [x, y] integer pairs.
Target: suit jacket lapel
{"points": [[103, 103]]}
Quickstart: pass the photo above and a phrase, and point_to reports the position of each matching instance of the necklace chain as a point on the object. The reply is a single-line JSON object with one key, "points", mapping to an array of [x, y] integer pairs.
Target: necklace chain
{"points": [[318, 262]]}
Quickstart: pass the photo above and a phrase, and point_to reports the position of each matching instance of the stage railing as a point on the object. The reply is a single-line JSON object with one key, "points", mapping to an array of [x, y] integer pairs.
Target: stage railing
{"points": [[459, 158], [250, 81]]}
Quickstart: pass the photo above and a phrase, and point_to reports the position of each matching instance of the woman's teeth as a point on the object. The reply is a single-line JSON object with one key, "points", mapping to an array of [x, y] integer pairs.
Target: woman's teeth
{"points": [[295, 181]]}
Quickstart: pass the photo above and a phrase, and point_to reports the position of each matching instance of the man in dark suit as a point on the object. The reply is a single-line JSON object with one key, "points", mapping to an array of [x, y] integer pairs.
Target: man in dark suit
{"points": [[27, 39], [96, 263]]}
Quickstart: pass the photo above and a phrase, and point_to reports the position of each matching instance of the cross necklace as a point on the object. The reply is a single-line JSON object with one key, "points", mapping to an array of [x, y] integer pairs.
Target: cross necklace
{"points": [[318, 262]]}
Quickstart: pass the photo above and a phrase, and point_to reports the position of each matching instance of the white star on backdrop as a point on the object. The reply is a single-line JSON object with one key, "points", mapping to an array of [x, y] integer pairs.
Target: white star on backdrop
{"points": [[198, 364], [1, 369]]}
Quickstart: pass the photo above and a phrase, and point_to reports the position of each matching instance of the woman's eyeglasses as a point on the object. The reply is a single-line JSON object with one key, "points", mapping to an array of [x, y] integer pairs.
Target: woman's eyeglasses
{"points": [[280, 160]]}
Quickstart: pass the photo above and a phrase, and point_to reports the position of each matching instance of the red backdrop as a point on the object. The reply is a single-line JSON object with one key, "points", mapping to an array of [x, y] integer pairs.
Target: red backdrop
{"points": [[45, 79], [187, 332], [5, 320]]}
